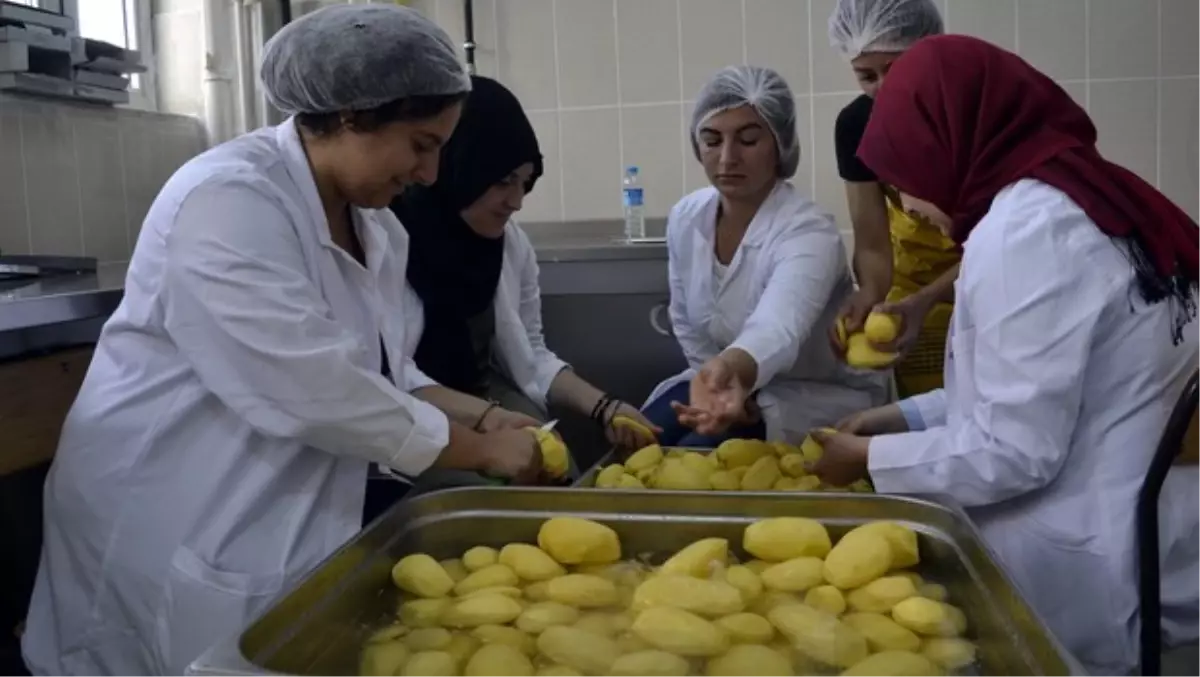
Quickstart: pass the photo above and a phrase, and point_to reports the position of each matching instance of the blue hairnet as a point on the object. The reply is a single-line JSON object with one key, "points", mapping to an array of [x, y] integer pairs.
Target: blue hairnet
{"points": [[767, 93], [358, 57], [861, 26]]}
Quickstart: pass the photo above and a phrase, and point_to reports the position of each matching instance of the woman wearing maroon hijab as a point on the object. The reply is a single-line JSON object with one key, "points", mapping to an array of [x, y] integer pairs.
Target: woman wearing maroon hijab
{"points": [[1070, 341]]}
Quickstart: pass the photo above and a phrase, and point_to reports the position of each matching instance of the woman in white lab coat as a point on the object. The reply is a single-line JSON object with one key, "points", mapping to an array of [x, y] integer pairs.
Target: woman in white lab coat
{"points": [[1072, 337], [219, 446], [475, 275], [757, 272]]}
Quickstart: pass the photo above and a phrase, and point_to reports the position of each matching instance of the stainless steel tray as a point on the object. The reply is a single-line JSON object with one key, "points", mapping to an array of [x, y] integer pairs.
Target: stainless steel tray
{"points": [[318, 628]]}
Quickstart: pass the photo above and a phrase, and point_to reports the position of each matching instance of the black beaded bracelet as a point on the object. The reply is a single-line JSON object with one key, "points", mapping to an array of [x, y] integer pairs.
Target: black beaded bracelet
{"points": [[492, 404]]}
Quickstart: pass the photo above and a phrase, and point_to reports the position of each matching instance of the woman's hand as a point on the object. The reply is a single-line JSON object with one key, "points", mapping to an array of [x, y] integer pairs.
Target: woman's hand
{"points": [[717, 399], [877, 421], [626, 436], [512, 454], [498, 418], [853, 314], [911, 312], [844, 460]]}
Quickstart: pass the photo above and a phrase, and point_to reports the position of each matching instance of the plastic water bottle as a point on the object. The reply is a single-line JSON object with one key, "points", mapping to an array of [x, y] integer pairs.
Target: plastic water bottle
{"points": [[632, 198]]}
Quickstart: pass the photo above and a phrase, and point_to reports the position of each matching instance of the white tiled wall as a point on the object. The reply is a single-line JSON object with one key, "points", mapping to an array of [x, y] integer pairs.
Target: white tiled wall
{"points": [[77, 180], [609, 82]]}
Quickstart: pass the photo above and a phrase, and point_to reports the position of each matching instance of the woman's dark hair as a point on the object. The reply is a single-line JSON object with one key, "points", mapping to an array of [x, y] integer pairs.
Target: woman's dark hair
{"points": [[409, 108]]}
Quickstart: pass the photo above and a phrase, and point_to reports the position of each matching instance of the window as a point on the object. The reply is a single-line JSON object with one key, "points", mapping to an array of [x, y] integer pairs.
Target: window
{"points": [[125, 23]]}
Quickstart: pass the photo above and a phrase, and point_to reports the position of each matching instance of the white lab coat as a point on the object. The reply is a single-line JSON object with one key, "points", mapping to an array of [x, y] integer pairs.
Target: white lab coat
{"points": [[1059, 381], [520, 346], [219, 446], [776, 300]]}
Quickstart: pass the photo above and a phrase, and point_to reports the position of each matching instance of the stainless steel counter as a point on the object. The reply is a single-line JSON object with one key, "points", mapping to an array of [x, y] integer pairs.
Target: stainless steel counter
{"points": [[25, 305]]}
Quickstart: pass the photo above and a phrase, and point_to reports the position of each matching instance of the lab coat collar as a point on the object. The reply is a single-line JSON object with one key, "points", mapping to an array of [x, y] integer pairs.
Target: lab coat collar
{"points": [[296, 161], [756, 233]]}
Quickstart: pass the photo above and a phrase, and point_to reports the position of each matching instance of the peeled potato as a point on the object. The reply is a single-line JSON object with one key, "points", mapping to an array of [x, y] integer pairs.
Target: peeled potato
{"points": [[771, 599], [462, 647], [503, 634], [794, 575], [777, 539], [811, 449], [675, 473], [749, 659], [582, 590], [571, 540], [479, 557], [629, 482], [491, 609], [455, 568], [424, 613], [537, 592], [737, 453], [530, 563], [807, 483], [506, 590], [586, 652], [783, 448], [698, 595], [819, 635], [862, 355], [698, 558], [745, 580], [701, 463], [599, 623], [724, 480], [746, 628], [858, 558], [901, 539], [555, 459], [650, 662], [929, 617], [388, 633], [793, 465], [610, 476], [952, 653], [491, 576], [623, 421], [646, 457], [680, 632], [422, 576], [434, 663], [538, 617], [881, 327], [826, 598], [762, 474], [498, 659], [882, 633], [427, 639], [897, 663], [881, 594], [384, 658]]}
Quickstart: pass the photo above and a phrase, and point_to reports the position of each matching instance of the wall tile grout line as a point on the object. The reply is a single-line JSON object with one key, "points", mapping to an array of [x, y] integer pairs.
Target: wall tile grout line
{"points": [[1158, 97], [20, 115], [812, 109], [683, 183], [78, 184], [1087, 55], [620, 102], [562, 185]]}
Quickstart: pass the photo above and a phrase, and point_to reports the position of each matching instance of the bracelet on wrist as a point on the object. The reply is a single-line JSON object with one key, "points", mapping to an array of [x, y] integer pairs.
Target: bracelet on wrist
{"points": [[478, 427]]}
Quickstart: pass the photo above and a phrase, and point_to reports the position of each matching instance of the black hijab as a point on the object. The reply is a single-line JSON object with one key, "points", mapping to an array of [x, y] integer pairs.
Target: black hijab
{"points": [[454, 270]]}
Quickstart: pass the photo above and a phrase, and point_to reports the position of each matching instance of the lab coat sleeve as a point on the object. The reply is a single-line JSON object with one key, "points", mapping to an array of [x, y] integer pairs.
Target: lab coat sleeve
{"points": [[805, 269], [547, 365], [927, 410], [414, 325], [696, 345], [241, 307], [1033, 327]]}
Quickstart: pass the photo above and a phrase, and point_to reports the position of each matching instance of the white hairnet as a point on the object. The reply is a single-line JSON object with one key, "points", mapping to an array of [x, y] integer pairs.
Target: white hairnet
{"points": [[358, 57], [767, 93], [860, 26]]}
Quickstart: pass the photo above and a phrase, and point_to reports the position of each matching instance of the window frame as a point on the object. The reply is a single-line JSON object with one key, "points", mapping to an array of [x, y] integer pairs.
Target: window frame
{"points": [[145, 96]]}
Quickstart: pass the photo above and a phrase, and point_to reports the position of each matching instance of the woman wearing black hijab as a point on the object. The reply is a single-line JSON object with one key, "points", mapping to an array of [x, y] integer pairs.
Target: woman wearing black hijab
{"points": [[482, 356]]}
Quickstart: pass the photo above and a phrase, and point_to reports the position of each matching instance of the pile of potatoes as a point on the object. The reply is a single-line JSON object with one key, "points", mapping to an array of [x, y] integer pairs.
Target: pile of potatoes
{"points": [[735, 465], [571, 605]]}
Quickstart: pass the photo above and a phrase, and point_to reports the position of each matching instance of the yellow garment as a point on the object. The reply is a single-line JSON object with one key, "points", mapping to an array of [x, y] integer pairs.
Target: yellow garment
{"points": [[920, 254]]}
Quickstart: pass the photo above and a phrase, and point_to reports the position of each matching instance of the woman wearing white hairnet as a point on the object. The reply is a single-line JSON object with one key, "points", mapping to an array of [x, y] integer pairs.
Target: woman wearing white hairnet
{"points": [[258, 363], [903, 263], [756, 272]]}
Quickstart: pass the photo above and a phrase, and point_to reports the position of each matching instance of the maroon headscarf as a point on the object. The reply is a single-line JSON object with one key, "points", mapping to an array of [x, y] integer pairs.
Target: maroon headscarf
{"points": [[958, 119]]}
